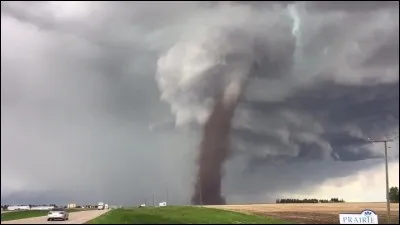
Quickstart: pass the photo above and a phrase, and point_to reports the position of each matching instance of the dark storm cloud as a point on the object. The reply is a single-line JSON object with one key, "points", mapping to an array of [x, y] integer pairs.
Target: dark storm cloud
{"points": [[337, 108], [82, 86]]}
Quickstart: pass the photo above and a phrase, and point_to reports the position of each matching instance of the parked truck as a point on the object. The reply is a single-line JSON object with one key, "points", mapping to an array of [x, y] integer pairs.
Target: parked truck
{"points": [[100, 206], [106, 206]]}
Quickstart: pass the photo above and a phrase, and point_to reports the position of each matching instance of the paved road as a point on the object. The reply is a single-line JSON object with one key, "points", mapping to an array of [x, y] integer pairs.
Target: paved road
{"points": [[74, 218]]}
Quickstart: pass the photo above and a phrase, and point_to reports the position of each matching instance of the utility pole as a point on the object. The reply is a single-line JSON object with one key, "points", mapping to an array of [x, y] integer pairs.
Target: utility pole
{"points": [[154, 203], [385, 141]]}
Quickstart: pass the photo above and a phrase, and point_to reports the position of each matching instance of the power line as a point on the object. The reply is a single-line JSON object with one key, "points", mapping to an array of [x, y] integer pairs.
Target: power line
{"points": [[385, 141]]}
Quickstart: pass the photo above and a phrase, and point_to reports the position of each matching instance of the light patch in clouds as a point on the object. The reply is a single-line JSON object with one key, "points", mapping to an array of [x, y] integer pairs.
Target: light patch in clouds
{"points": [[367, 185]]}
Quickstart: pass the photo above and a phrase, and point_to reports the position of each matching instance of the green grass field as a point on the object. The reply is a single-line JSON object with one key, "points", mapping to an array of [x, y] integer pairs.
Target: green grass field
{"points": [[28, 214], [179, 215]]}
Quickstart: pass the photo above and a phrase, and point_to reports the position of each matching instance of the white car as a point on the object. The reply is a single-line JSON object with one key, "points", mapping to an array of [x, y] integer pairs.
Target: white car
{"points": [[58, 214]]}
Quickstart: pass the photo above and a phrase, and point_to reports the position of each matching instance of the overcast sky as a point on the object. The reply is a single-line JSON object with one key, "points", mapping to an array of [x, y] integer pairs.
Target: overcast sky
{"points": [[85, 117]]}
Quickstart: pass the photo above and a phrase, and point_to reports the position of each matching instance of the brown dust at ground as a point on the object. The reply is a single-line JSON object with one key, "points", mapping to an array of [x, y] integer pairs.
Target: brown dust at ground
{"points": [[309, 213]]}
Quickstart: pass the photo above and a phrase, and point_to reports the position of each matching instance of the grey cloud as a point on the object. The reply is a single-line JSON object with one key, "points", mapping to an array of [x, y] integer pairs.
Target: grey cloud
{"points": [[86, 112], [352, 6], [333, 108], [31, 12], [387, 54], [31, 197]]}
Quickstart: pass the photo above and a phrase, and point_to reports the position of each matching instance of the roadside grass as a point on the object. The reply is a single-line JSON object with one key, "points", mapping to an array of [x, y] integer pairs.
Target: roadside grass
{"points": [[22, 214], [180, 215], [16, 215]]}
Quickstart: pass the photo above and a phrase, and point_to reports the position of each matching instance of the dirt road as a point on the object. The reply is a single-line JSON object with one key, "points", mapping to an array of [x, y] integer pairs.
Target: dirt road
{"points": [[74, 218]]}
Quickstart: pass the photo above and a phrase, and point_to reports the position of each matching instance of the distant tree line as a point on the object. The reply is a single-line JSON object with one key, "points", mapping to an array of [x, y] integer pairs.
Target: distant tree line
{"points": [[309, 200], [394, 194]]}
